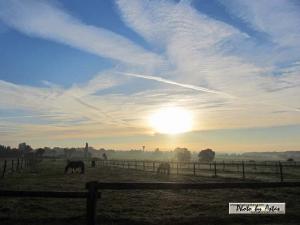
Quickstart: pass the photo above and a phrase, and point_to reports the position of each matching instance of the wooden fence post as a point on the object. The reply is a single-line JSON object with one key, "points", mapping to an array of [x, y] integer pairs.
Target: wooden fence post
{"points": [[177, 172], [4, 168], [243, 168], [144, 168], [223, 165], [91, 203], [135, 165], [215, 167], [194, 169], [281, 171], [153, 166]]}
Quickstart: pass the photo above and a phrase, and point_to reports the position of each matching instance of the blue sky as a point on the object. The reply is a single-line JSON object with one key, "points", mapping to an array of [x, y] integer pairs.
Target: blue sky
{"points": [[73, 71]]}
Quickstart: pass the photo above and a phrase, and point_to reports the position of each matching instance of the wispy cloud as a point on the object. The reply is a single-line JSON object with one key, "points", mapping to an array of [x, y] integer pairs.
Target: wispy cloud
{"points": [[42, 19], [279, 18]]}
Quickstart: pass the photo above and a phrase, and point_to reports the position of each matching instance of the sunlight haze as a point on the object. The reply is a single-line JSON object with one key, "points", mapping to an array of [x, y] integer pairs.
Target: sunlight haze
{"points": [[161, 74]]}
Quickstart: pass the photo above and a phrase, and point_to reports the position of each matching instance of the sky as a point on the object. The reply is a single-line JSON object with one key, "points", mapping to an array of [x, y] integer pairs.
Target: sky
{"points": [[94, 71]]}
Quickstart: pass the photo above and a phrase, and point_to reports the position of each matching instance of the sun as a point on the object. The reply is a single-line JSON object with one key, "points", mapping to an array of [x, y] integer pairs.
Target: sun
{"points": [[171, 120]]}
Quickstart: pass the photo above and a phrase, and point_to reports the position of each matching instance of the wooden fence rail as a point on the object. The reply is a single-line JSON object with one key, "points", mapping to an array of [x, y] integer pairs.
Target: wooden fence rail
{"points": [[43, 194], [199, 186]]}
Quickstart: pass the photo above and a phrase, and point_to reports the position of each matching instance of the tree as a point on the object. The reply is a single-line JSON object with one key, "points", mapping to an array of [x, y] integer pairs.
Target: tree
{"points": [[182, 154], [207, 155]]}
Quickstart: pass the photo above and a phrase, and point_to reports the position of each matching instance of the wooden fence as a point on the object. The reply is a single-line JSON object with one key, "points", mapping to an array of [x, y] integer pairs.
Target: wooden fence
{"points": [[277, 170], [92, 194]]}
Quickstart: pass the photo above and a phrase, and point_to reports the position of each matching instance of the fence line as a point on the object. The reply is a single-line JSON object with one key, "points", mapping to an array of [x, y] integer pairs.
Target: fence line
{"points": [[243, 169], [43, 194], [13, 165], [178, 185]]}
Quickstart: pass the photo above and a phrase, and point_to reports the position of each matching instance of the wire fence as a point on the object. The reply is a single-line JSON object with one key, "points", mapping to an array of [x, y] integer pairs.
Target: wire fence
{"points": [[282, 171]]}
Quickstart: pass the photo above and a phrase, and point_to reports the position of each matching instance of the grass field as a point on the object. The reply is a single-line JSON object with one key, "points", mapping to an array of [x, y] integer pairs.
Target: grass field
{"points": [[136, 207]]}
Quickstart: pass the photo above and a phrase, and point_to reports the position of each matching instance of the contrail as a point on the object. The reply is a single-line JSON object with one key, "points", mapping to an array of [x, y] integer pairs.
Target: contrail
{"points": [[197, 88], [189, 86], [96, 109]]}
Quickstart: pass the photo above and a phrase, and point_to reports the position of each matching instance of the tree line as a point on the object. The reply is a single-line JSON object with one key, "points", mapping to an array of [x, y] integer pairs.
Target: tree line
{"points": [[179, 154]]}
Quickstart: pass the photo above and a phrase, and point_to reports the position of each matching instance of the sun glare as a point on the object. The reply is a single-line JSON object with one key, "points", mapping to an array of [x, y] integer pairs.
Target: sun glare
{"points": [[172, 120]]}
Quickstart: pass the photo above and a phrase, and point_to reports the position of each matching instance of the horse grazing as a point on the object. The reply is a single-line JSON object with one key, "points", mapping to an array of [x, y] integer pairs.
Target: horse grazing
{"points": [[164, 168], [75, 165]]}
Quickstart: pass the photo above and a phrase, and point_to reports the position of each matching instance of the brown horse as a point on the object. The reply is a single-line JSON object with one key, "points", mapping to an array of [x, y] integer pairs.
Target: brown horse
{"points": [[164, 168], [75, 165]]}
